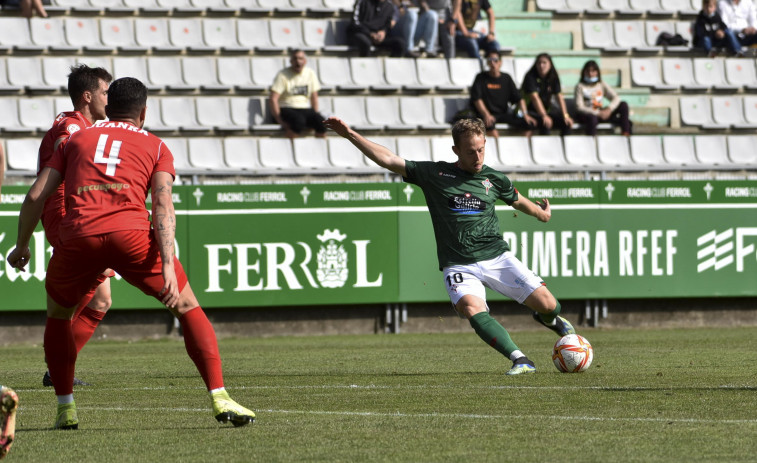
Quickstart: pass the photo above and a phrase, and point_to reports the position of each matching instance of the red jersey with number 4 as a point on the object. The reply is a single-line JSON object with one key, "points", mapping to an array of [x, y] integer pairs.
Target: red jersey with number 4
{"points": [[108, 170], [65, 124]]}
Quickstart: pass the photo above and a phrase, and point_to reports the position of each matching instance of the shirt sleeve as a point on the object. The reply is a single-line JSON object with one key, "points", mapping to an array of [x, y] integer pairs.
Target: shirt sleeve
{"points": [[411, 172], [529, 84], [512, 90], [58, 161], [164, 163], [508, 193], [476, 92], [279, 84], [315, 85], [611, 95]]}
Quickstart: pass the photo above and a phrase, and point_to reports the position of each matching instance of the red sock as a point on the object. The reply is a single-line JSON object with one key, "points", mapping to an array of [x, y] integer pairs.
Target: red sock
{"points": [[202, 346], [60, 353], [83, 303], [84, 326]]}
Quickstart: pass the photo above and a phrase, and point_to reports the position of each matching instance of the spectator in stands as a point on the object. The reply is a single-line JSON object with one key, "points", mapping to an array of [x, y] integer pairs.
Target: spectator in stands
{"points": [[590, 95], [371, 22], [710, 31], [26, 7], [466, 13], [541, 85], [741, 17], [294, 98], [493, 93], [426, 20]]}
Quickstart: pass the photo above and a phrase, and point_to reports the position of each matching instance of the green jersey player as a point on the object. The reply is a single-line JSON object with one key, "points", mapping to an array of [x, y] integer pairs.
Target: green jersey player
{"points": [[472, 254]]}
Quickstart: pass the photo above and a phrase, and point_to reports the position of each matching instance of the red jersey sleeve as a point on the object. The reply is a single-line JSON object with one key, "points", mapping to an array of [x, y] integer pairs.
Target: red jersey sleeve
{"points": [[164, 163], [58, 160]]}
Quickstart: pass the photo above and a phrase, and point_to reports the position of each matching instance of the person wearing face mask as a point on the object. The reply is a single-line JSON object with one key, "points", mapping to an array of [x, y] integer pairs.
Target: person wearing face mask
{"points": [[591, 93], [710, 31]]}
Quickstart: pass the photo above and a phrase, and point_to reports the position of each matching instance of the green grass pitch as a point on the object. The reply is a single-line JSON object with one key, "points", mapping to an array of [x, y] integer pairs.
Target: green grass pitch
{"points": [[651, 395]]}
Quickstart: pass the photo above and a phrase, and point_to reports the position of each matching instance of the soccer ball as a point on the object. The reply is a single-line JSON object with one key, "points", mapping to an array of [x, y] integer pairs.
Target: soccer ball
{"points": [[572, 354]]}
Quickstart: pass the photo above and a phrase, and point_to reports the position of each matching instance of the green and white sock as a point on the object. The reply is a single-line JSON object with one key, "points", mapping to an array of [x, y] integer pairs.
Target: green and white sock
{"points": [[494, 334]]}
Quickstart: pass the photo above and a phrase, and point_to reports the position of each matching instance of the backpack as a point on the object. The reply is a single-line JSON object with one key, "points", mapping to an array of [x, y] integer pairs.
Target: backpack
{"points": [[668, 39]]}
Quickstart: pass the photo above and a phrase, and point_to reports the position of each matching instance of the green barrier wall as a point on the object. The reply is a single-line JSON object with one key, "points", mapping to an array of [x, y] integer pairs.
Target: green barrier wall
{"points": [[323, 244]]}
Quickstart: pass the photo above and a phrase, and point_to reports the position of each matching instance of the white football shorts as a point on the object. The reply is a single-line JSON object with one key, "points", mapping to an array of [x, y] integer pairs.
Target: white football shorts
{"points": [[505, 274]]}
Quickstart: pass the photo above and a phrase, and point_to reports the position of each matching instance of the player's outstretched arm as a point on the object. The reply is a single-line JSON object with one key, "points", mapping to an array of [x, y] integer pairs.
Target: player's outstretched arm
{"points": [[164, 229], [31, 211], [375, 152], [539, 209]]}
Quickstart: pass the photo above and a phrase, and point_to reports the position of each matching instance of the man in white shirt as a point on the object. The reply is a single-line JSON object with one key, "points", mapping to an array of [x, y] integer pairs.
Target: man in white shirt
{"points": [[741, 17]]}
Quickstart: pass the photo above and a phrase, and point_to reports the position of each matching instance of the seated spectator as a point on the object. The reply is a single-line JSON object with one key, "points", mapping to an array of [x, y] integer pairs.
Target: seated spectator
{"points": [[26, 7], [591, 93], [740, 17], [411, 23], [710, 31], [493, 93], [371, 22], [294, 98], [541, 85], [466, 13], [446, 26]]}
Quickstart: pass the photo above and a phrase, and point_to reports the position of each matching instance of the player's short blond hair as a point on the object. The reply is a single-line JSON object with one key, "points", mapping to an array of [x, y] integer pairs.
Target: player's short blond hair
{"points": [[465, 127]]}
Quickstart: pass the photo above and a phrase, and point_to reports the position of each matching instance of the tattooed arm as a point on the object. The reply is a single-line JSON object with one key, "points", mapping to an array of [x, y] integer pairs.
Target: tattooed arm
{"points": [[164, 228]]}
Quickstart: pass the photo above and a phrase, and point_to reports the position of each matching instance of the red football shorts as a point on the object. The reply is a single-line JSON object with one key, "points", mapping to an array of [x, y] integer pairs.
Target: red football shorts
{"points": [[133, 254]]}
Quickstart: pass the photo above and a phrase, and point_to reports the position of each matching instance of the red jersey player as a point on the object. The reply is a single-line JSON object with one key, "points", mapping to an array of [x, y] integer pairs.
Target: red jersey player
{"points": [[108, 169], [88, 89]]}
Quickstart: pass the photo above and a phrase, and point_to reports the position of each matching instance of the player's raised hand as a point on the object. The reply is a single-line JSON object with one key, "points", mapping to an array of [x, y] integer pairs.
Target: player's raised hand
{"points": [[337, 125], [19, 257], [544, 205]]}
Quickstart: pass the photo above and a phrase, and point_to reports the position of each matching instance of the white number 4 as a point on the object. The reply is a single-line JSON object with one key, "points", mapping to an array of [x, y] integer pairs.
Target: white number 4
{"points": [[112, 160]]}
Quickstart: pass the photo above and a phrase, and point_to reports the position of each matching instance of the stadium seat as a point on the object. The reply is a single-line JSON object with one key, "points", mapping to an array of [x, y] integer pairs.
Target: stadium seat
{"points": [[684, 28], [334, 72], [311, 6], [614, 150], [418, 111], [77, 6], [650, 7], [547, 151], [200, 72], [463, 71], [84, 33], [631, 35], [183, 7], [187, 33], [584, 6], [580, 150], [206, 153], [646, 150], [655, 28], [434, 73], [180, 112], [214, 6], [344, 155], [235, 73], [741, 73], [146, 6], [278, 6], [697, 111], [152, 32], [711, 150], [742, 149], [710, 72], [729, 111], [678, 150], [750, 109], [260, 115], [514, 152], [216, 112], [683, 7], [55, 71], [414, 148], [118, 33], [166, 72], [241, 153], [21, 154], [5, 86], [62, 103], [37, 113], [679, 72], [620, 7], [551, 5], [384, 111], [154, 118], [645, 72], [15, 34], [276, 153], [180, 152], [27, 73], [9, 122], [110, 6], [401, 72], [599, 34], [241, 114], [311, 152], [369, 72], [265, 68], [352, 111], [441, 150], [287, 34], [322, 34], [445, 108], [48, 33], [255, 34], [220, 33], [133, 66]]}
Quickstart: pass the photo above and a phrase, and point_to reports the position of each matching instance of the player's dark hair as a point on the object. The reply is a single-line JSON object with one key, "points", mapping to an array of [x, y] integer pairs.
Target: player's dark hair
{"points": [[126, 98], [465, 127], [84, 78], [591, 65]]}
